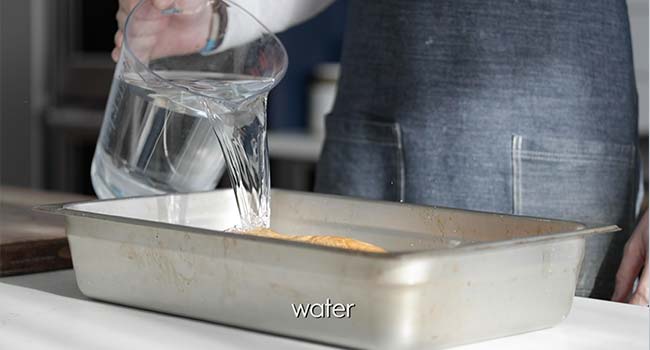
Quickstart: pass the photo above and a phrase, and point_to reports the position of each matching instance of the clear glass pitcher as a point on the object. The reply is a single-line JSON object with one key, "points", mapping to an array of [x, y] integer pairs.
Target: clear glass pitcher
{"points": [[186, 74]]}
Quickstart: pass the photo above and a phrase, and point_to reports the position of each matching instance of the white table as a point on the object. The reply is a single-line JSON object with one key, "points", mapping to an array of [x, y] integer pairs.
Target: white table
{"points": [[47, 311]]}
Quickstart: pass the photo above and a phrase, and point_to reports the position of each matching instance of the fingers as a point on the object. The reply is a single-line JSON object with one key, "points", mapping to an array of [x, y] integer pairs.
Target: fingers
{"points": [[120, 17], [144, 27], [153, 34], [640, 296], [115, 54], [118, 39], [634, 258], [628, 271], [144, 48], [127, 5]]}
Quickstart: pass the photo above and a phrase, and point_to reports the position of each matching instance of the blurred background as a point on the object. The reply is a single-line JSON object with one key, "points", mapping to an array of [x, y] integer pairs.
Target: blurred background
{"points": [[55, 73]]}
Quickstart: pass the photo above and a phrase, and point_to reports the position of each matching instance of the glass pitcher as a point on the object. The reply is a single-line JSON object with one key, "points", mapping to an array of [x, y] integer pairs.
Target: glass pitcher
{"points": [[185, 75]]}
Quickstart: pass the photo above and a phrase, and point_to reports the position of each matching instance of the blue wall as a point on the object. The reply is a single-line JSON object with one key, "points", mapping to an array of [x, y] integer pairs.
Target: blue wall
{"points": [[315, 41]]}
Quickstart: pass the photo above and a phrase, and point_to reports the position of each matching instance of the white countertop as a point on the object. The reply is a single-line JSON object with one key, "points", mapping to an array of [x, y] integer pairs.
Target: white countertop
{"points": [[47, 311]]}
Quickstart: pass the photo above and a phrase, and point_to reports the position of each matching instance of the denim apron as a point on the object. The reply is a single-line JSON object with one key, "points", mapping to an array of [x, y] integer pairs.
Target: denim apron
{"points": [[521, 107]]}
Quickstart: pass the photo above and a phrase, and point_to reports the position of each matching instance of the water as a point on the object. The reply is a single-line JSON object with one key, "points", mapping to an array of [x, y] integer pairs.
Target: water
{"points": [[162, 138]]}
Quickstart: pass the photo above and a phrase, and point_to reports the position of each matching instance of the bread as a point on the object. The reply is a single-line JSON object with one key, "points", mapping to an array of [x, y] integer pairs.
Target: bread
{"points": [[325, 240]]}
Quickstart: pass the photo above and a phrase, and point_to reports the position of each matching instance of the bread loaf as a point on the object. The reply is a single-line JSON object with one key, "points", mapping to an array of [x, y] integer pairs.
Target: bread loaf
{"points": [[325, 240]]}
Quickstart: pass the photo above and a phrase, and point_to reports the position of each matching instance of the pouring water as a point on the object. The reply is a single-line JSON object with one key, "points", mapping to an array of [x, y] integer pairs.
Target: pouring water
{"points": [[172, 123]]}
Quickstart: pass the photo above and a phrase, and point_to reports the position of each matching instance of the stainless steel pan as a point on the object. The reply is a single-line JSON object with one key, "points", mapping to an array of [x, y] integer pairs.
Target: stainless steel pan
{"points": [[450, 277]]}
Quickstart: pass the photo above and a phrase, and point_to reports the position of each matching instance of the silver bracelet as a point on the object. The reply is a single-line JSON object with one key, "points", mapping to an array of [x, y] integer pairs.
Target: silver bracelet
{"points": [[218, 24]]}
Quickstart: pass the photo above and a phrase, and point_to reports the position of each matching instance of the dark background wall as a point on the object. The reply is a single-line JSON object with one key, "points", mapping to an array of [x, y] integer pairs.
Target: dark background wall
{"points": [[313, 42]]}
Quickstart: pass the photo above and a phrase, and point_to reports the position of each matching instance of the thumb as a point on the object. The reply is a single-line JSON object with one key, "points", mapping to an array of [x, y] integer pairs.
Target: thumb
{"points": [[163, 4]]}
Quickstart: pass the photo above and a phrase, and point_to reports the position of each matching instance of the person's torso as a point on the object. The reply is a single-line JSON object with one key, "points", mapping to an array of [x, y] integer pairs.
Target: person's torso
{"points": [[473, 85]]}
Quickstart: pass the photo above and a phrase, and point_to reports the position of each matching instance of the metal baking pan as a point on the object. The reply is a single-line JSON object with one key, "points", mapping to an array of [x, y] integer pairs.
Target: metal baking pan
{"points": [[450, 276]]}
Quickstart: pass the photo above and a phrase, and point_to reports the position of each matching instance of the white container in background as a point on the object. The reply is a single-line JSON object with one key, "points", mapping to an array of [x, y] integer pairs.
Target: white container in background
{"points": [[322, 92]]}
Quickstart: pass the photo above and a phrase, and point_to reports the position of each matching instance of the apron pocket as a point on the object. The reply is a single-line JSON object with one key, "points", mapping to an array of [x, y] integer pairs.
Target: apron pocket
{"points": [[362, 158], [585, 181]]}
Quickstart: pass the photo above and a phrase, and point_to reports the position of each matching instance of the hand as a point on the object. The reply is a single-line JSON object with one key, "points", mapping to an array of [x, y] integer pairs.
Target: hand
{"points": [[153, 34], [635, 258]]}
